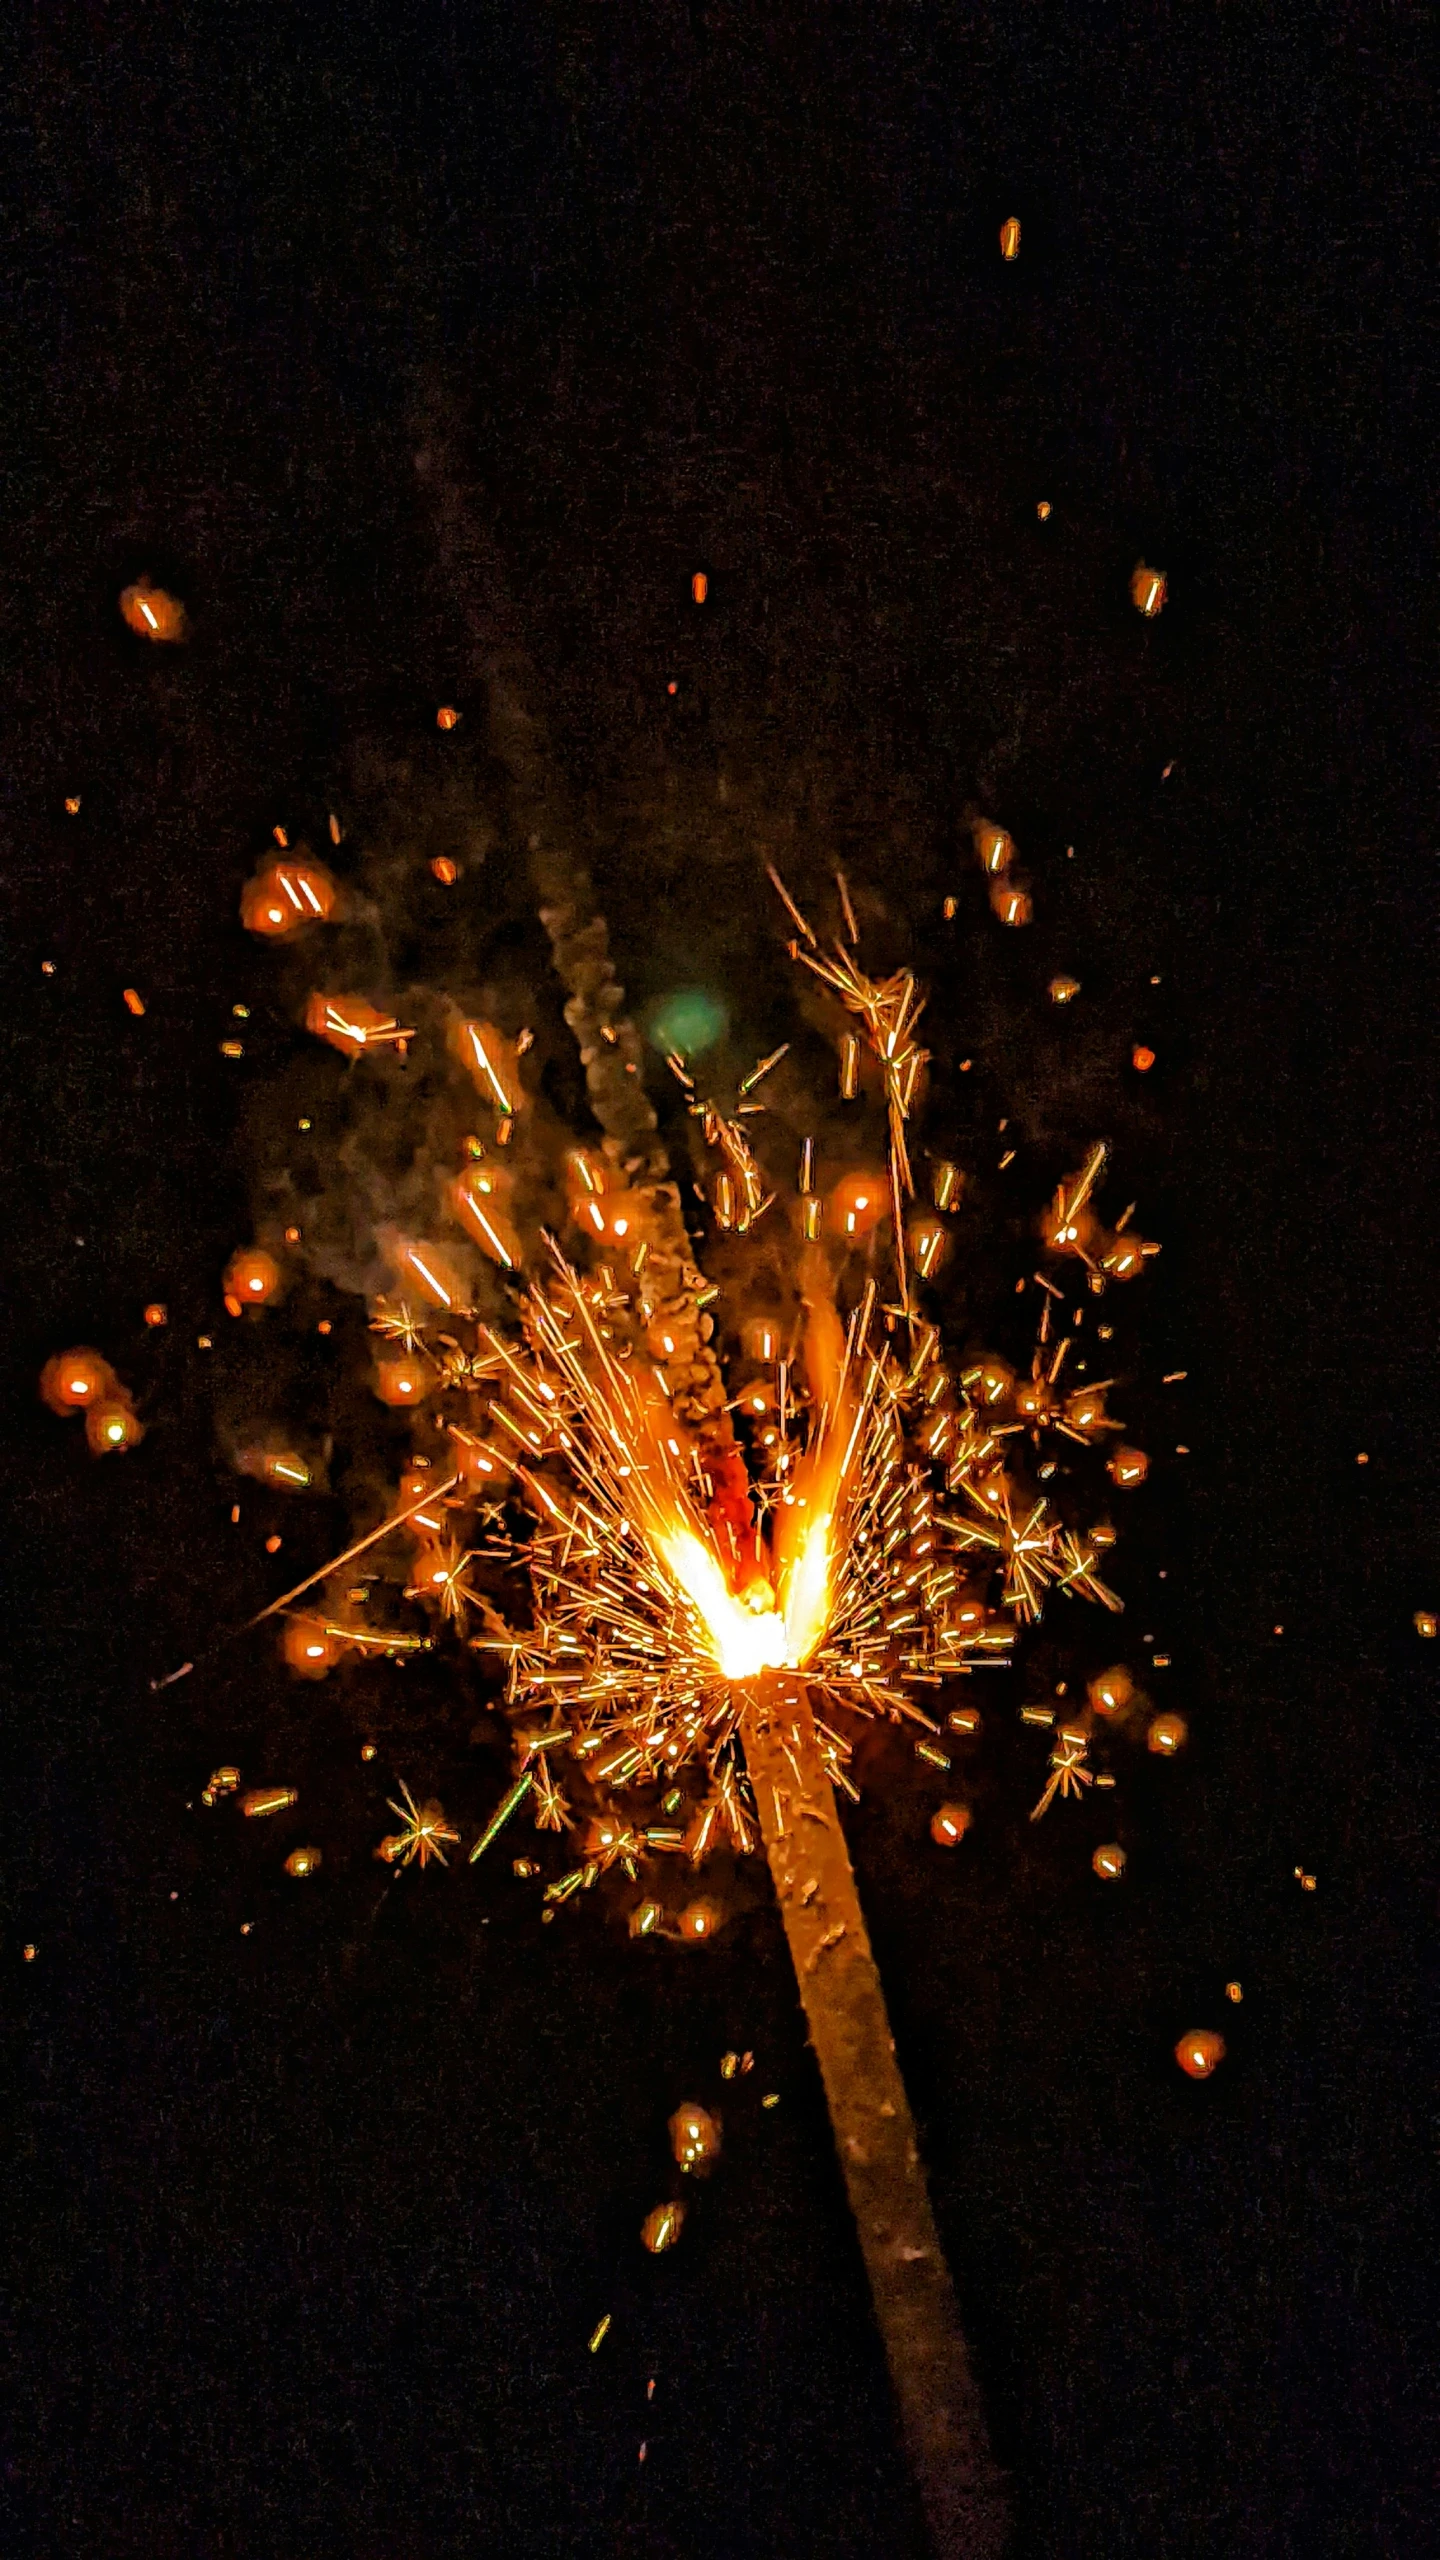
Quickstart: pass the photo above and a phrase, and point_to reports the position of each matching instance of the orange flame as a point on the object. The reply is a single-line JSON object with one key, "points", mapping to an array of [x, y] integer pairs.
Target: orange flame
{"points": [[744, 1642], [766, 1627], [806, 1532]]}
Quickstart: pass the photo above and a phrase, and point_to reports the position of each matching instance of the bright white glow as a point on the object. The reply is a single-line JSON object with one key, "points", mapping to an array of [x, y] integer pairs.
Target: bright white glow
{"points": [[743, 1644]]}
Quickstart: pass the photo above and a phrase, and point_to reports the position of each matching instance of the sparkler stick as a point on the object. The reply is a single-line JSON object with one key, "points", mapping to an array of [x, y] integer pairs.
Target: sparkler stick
{"points": [[941, 2416], [655, 1625]]}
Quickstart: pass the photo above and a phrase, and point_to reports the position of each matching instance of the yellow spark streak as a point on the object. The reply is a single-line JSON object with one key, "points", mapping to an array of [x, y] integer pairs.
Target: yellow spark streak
{"points": [[430, 1279], [486, 1066], [757, 1073], [783, 894], [350, 1553]]}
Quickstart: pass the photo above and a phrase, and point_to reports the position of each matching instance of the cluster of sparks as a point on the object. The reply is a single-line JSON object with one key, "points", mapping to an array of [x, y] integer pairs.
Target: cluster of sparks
{"points": [[893, 1535]]}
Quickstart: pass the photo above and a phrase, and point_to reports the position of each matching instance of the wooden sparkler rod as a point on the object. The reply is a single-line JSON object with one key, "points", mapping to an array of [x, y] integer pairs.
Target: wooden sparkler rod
{"points": [[942, 2419]]}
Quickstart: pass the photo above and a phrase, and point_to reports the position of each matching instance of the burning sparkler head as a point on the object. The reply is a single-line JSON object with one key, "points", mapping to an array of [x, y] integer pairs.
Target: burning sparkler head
{"points": [[743, 1641], [641, 1546]]}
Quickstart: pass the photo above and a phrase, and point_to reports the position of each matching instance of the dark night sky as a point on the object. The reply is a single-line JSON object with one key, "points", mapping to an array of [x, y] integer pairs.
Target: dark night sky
{"points": [[315, 2222]]}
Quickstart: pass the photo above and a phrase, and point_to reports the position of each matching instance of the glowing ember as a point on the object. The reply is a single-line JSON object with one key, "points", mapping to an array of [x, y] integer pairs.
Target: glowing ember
{"points": [[111, 1427], [694, 2138], [252, 1277], [661, 2229], [287, 896], [1166, 1735], [351, 1025], [493, 1063], [949, 1825], [72, 1380], [152, 613]]}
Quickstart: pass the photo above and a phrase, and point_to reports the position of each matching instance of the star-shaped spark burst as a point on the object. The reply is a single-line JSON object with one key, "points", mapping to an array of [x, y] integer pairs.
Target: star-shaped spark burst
{"points": [[1068, 1773], [1022, 1535], [440, 1577], [425, 1830], [552, 1808], [397, 1321], [1041, 1403]]}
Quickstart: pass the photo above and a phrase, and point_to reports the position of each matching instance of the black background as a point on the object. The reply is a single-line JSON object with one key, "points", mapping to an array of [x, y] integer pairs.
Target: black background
{"points": [[315, 2222]]}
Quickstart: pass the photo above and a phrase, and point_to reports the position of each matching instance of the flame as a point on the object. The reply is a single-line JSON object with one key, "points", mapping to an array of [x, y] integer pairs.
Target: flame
{"points": [[745, 1642], [746, 1636], [807, 1526], [806, 1588]]}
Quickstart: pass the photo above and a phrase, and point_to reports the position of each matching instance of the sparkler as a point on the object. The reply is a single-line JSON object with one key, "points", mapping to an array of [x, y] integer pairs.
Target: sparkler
{"points": [[708, 1621], [695, 1589]]}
